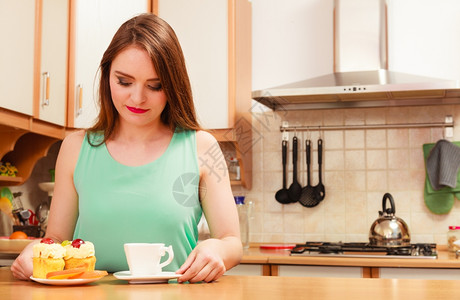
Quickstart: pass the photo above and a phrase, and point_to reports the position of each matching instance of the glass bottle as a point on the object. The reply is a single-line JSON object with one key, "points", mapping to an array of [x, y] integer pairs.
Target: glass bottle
{"points": [[244, 220], [453, 235], [234, 169]]}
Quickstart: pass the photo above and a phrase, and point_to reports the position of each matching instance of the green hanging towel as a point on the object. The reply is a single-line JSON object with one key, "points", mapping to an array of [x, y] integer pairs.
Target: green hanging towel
{"points": [[442, 200]]}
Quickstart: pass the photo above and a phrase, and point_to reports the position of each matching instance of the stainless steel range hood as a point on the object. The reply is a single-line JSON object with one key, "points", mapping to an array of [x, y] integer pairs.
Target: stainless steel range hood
{"points": [[361, 77]]}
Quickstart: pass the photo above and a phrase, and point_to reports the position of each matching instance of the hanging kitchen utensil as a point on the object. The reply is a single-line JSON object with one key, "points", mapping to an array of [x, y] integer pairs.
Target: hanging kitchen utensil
{"points": [[308, 195], [42, 212], [389, 230], [282, 196], [320, 190], [295, 190]]}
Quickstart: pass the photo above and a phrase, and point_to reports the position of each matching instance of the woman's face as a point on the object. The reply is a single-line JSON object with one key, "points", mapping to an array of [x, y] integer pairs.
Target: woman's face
{"points": [[135, 88]]}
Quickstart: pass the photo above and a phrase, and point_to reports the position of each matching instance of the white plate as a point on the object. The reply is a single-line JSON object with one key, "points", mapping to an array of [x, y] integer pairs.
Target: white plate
{"points": [[163, 277], [65, 281]]}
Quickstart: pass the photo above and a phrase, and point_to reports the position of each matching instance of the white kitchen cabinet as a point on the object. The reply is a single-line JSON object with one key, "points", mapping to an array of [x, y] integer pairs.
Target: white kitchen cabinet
{"points": [[17, 55], [94, 22], [319, 271], [218, 65], [419, 273], [52, 101], [202, 29]]}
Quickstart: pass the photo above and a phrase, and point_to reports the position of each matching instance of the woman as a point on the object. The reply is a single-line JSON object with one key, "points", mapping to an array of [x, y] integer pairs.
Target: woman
{"points": [[145, 171]]}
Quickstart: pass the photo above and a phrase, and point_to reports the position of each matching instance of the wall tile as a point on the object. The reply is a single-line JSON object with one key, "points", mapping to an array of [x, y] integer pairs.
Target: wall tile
{"points": [[398, 159], [398, 138], [355, 180], [376, 138], [377, 181], [333, 140], [354, 139], [376, 159], [355, 160]]}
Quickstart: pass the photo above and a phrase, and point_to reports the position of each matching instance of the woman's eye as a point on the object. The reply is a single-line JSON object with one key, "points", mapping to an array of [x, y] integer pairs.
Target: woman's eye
{"points": [[123, 82], [157, 87]]}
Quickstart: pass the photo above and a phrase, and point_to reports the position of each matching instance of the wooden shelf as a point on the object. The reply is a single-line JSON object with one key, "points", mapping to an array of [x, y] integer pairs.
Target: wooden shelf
{"points": [[236, 182], [24, 140], [240, 139], [8, 180]]}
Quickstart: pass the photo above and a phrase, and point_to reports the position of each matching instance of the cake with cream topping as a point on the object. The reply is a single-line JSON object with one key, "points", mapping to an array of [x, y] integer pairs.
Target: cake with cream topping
{"points": [[79, 254], [48, 256]]}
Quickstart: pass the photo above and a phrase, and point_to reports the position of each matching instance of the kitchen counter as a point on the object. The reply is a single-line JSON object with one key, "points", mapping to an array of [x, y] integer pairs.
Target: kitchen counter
{"points": [[236, 287], [255, 255]]}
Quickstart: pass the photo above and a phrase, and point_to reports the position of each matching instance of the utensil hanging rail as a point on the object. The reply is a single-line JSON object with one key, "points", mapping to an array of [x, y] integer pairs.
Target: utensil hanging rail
{"points": [[448, 124]]}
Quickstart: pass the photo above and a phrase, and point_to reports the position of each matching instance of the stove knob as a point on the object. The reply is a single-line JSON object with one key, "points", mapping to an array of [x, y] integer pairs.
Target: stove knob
{"points": [[427, 250]]}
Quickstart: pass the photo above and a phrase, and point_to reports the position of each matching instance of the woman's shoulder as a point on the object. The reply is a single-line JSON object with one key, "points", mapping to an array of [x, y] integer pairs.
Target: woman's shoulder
{"points": [[205, 139], [73, 141], [205, 136], [75, 137]]}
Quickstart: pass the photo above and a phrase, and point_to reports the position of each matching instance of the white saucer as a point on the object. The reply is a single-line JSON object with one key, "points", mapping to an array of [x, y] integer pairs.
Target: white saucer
{"points": [[78, 281], [163, 277]]}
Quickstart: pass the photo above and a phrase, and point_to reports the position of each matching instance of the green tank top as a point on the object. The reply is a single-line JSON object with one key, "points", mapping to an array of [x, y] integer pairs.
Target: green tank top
{"points": [[154, 203]]}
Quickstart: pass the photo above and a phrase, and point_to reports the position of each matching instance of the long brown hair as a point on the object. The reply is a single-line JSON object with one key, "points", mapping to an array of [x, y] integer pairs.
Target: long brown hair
{"points": [[153, 34]]}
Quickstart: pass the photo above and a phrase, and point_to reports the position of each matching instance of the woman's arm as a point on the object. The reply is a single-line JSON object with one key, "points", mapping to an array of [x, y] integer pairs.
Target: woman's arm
{"points": [[64, 204], [212, 257]]}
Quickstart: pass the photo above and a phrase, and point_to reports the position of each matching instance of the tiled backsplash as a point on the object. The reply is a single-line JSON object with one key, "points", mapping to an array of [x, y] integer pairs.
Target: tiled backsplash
{"points": [[359, 167]]}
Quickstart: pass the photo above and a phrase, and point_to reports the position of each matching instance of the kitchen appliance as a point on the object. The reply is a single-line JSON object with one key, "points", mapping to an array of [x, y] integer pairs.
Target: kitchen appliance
{"points": [[339, 249], [360, 77], [389, 230]]}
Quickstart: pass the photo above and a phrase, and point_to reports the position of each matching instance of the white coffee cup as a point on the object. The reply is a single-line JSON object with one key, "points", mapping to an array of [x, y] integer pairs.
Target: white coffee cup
{"points": [[144, 258]]}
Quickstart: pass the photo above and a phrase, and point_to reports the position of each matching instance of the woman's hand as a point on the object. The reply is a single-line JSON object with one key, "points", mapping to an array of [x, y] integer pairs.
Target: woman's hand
{"points": [[22, 267], [204, 263]]}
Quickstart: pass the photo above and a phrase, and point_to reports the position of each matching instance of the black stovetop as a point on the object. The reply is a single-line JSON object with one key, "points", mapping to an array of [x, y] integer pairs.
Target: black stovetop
{"points": [[419, 250]]}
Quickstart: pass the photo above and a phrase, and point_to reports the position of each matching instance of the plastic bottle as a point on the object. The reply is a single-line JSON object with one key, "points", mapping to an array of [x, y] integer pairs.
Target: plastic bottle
{"points": [[244, 220]]}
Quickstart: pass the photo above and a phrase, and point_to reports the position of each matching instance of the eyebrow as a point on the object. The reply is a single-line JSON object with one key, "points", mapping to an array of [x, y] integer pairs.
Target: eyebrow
{"points": [[119, 73]]}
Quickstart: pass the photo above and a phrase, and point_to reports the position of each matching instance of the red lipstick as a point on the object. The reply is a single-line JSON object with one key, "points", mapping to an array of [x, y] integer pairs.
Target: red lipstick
{"points": [[136, 110]]}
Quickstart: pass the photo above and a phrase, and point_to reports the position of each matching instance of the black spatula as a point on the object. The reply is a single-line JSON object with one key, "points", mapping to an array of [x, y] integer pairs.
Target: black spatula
{"points": [[295, 189]]}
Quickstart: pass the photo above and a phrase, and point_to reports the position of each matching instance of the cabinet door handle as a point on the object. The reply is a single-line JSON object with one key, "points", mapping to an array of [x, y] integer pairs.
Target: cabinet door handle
{"points": [[46, 89], [79, 102]]}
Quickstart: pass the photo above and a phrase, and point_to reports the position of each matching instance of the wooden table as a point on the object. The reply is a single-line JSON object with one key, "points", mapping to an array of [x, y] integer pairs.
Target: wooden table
{"points": [[236, 287]]}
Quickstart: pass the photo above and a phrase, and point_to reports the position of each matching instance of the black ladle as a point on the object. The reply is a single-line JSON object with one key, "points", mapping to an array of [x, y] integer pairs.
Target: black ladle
{"points": [[295, 190], [282, 196], [308, 196], [320, 191]]}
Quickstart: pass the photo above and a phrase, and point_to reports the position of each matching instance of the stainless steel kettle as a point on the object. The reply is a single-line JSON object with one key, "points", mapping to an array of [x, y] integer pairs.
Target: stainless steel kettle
{"points": [[389, 230]]}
